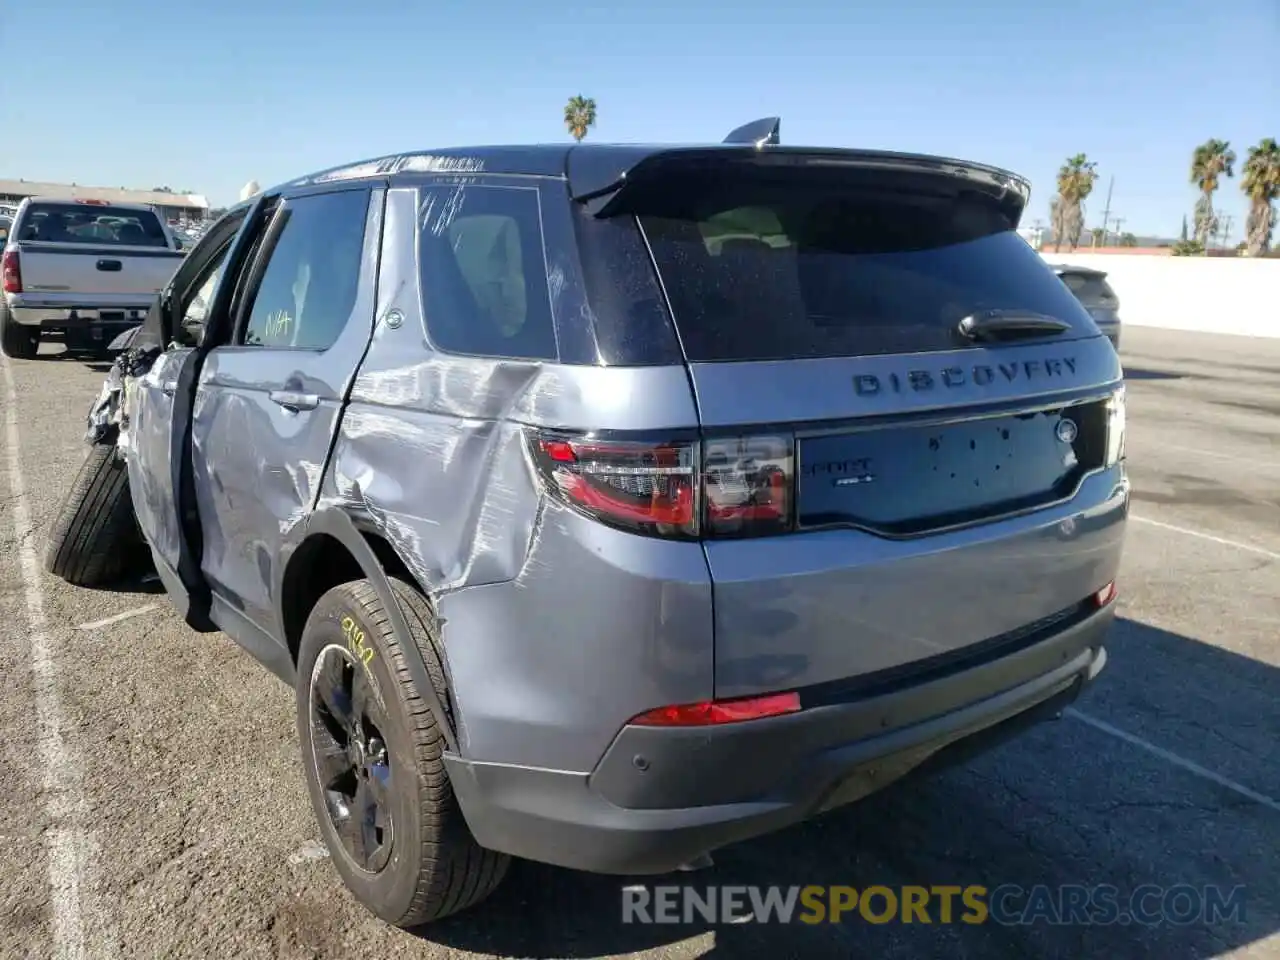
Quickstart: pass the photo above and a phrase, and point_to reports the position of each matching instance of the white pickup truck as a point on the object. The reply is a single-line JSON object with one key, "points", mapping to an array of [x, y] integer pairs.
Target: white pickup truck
{"points": [[88, 269]]}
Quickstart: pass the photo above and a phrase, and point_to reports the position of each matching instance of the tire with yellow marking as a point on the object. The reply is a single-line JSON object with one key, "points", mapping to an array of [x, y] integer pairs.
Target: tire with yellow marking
{"points": [[435, 867]]}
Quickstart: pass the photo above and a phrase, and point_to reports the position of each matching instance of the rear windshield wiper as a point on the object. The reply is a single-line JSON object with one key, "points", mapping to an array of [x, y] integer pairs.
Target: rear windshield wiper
{"points": [[1009, 325]]}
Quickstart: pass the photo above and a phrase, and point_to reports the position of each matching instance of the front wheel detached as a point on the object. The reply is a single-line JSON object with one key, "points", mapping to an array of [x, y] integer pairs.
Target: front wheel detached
{"points": [[373, 759], [95, 538]]}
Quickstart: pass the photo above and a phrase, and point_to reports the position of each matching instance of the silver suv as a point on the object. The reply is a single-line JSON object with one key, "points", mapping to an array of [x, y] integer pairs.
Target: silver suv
{"points": [[606, 505]]}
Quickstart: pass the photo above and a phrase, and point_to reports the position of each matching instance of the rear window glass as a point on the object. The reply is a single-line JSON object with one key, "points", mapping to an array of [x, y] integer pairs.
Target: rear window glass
{"points": [[1090, 289], [89, 223], [759, 267]]}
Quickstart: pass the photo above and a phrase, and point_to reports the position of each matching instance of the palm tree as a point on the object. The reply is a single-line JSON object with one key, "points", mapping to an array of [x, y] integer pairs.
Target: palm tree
{"points": [[579, 116], [1076, 178], [1212, 160], [1262, 185]]}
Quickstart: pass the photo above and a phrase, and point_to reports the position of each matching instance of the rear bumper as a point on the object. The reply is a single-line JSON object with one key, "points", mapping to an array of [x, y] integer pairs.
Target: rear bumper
{"points": [[661, 797], [66, 311]]}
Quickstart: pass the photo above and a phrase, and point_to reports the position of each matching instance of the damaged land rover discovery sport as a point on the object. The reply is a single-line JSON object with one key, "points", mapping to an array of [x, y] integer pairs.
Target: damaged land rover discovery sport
{"points": [[606, 505]]}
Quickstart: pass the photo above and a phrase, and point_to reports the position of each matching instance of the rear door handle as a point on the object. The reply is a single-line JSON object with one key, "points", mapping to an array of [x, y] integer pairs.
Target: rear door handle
{"points": [[293, 400], [111, 266]]}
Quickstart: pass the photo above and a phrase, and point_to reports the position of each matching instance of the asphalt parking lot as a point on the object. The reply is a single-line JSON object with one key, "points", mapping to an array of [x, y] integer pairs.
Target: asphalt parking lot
{"points": [[151, 772]]}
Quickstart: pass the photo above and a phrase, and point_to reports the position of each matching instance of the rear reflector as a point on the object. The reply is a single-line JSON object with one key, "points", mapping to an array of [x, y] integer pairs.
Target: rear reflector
{"points": [[711, 712], [1106, 595]]}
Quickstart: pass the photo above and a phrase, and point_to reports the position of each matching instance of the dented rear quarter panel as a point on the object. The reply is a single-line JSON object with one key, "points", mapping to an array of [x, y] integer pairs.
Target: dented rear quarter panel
{"points": [[535, 600]]}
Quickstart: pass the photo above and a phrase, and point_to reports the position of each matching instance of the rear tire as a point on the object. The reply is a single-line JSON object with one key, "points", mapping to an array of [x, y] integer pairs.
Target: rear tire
{"points": [[95, 537], [17, 341], [402, 845]]}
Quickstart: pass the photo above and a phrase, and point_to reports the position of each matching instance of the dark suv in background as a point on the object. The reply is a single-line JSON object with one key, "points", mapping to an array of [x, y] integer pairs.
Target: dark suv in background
{"points": [[1095, 294], [605, 505]]}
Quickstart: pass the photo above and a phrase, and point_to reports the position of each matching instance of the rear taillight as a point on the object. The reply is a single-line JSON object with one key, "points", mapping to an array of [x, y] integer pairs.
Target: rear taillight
{"points": [[748, 485], [712, 712], [644, 487], [12, 272], [740, 487], [1115, 427], [1106, 595]]}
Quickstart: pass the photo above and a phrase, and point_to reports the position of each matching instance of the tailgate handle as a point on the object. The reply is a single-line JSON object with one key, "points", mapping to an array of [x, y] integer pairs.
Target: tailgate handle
{"points": [[110, 266], [993, 325], [294, 401]]}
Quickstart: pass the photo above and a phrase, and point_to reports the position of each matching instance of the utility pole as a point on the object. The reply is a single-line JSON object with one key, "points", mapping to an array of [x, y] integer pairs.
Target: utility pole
{"points": [[1225, 229], [1106, 211], [1118, 222], [1037, 228]]}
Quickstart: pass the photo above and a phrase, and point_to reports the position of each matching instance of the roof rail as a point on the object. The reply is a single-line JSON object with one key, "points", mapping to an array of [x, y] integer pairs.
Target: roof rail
{"points": [[757, 132]]}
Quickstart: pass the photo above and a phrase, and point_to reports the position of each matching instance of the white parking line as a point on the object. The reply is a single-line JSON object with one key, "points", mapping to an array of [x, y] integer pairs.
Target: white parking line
{"points": [[67, 839], [107, 621], [1189, 765], [1261, 551]]}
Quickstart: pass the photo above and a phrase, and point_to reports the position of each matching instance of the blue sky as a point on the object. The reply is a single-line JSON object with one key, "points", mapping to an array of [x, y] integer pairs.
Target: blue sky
{"points": [[141, 93]]}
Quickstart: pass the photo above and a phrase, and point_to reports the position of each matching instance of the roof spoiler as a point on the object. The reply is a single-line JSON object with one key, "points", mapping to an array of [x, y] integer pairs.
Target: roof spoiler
{"points": [[757, 133], [600, 182]]}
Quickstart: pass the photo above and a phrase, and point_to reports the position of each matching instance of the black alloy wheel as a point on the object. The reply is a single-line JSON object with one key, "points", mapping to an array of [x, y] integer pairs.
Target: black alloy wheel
{"points": [[351, 759], [374, 760]]}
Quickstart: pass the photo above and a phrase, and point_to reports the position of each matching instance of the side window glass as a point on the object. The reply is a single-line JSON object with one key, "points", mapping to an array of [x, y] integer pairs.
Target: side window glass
{"points": [[308, 289], [484, 272], [196, 308]]}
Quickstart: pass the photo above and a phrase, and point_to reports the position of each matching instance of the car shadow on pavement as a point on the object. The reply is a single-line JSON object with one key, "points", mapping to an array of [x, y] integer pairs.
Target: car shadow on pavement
{"points": [[1141, 373], [146, 585], [1087, 802]]}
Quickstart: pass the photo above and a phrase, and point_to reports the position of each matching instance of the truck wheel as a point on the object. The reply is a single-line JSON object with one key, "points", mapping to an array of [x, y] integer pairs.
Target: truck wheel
{"points": [[17, 341], [373, 760], [95, 536]]}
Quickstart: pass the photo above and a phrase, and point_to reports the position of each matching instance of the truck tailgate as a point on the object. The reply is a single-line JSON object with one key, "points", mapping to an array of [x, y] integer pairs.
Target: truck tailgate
{"points": [[87, 271]]}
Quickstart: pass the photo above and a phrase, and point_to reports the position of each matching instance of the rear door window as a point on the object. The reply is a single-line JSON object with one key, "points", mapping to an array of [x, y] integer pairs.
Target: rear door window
{"points": [[762, 266]]}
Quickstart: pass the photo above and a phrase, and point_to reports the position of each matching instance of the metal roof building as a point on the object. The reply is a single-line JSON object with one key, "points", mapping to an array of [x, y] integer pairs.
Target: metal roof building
{"points": [[173, 205]]}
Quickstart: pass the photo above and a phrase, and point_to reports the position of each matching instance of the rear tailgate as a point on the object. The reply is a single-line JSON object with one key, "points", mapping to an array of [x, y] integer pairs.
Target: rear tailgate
{"points": [[96, 274], [948, 491], [1094, 292]]}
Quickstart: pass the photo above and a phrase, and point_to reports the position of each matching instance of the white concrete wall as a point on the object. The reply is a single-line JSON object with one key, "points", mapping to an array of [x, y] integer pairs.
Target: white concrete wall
{"points": [[1235, 295]]}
